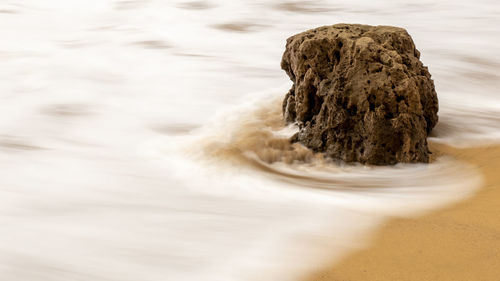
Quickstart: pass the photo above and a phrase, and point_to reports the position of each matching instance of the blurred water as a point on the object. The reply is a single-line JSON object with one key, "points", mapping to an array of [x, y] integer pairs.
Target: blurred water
{"points": [[139, 139]]}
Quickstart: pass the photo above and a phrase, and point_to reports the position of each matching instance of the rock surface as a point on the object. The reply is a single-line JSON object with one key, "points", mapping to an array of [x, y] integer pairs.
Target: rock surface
{"points": [[360, 93]]}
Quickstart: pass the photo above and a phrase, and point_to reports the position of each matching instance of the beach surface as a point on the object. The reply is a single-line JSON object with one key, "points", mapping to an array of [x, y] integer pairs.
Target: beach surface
{"points": [[459, 242]]}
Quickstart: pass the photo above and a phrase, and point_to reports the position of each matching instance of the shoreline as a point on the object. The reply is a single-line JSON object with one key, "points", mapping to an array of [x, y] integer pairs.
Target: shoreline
{"points": [[460, 241]]}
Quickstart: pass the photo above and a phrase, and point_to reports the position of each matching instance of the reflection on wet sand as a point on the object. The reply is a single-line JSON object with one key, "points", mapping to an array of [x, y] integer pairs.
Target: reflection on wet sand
{"points": [[153, 44], [66, 110], [196, 5], [130, 4], [304, 7], [11, 143], [5, 11], [238, 27], [174, 129]]}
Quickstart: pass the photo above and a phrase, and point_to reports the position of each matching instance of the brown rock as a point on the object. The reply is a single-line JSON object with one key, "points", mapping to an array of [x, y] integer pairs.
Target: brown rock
{"points": [[360, 93]]}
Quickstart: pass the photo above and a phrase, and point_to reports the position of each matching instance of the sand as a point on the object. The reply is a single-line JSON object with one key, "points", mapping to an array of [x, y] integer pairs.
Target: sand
{"points": [[458, 242]]}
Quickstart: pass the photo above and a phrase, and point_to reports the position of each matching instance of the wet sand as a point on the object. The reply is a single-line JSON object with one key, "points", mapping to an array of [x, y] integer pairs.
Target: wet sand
{"points": [[459, 242]]}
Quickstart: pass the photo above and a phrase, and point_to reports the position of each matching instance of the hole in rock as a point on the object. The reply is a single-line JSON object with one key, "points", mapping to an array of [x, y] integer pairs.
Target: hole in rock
{"points": [[337, 55]]}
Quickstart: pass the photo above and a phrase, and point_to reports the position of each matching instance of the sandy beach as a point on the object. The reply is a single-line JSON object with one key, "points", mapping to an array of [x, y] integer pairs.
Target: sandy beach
{"points": [[458, 242]]}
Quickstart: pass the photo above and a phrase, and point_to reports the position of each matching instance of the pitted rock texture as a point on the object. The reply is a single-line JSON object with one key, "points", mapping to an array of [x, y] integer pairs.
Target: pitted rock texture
{"points": [[360, 93]]}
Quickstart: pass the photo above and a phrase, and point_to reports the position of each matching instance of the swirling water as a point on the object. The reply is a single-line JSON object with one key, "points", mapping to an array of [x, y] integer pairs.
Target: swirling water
{"points": [[141, 140]]}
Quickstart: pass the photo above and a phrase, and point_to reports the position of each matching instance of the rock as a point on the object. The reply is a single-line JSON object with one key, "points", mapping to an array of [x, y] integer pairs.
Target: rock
{"points": [[360, 93]]}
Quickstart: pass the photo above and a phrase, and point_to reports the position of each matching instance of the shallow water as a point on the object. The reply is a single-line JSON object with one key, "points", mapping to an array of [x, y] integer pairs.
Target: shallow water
{"points": [[142, 140]]}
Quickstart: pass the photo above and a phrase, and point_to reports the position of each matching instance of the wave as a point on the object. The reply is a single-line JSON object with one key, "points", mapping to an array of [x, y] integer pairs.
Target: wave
{"points": [[245, 154]]}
